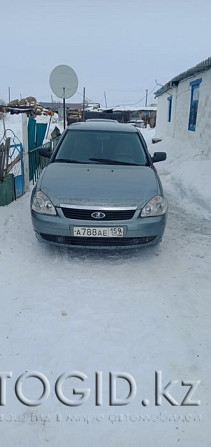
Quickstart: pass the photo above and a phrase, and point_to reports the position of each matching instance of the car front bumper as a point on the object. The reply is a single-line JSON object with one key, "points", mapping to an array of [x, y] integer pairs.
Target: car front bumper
{"points": [[137, 231]]}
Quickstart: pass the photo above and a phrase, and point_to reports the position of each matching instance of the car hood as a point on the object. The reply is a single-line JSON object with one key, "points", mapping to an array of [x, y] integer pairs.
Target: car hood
{"points": [[99, 184]]}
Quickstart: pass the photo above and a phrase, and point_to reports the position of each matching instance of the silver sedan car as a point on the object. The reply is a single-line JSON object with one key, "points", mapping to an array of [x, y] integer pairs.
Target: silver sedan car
{"points": [[100, 190]]}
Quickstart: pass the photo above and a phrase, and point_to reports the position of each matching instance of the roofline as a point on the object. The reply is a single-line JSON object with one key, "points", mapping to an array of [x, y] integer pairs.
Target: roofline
{"points": [[102, 125], [202, 66]]}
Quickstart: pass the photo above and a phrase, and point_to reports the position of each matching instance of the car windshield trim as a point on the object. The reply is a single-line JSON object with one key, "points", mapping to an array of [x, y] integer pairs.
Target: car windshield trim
{"points": [[66, 160], [113, 162]]}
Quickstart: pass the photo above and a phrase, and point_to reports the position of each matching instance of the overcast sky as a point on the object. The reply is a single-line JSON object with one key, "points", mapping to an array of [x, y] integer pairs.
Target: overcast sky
{"points": [[117, 46]]}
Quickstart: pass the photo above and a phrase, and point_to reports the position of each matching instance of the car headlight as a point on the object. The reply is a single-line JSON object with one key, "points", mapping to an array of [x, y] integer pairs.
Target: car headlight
{"points": [[41, 204], [157, 206]]}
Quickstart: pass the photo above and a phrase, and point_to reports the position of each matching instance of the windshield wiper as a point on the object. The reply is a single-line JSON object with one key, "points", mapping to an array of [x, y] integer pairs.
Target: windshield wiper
{"points": [[113, 162], [68, 160]]}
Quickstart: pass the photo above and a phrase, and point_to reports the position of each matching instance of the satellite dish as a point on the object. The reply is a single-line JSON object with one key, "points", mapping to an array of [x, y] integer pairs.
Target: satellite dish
{"points": [[63, 81]]}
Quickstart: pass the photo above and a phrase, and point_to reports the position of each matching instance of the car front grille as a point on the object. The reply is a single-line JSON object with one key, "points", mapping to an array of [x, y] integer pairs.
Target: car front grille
{"points": [[86, 214], [97, 241]]}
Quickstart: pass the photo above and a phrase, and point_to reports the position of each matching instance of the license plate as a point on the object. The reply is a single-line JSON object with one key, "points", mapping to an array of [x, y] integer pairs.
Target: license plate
{"points": [[98, 232]]}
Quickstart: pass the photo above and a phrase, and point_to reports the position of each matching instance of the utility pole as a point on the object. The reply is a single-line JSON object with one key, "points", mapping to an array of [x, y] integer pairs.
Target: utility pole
{"points": [[83, 103], [105, 99], [9, 93], [146, 98], [64, 111]]}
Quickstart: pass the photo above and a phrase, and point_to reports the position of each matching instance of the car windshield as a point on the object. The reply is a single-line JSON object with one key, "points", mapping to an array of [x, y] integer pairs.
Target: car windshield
{"points": [[104, 147]]}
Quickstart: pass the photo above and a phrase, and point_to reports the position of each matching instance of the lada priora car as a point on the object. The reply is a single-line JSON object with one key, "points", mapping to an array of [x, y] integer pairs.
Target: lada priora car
{"points": [[100, 189]]}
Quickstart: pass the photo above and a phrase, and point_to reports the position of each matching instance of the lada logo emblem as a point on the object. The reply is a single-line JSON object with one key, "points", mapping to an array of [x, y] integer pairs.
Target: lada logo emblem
{"points": [[98, 215]]}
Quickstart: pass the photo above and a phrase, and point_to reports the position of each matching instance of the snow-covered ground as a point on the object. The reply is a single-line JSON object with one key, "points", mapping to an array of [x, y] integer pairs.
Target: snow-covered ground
{"points": [[137, 311], [186, 173]]}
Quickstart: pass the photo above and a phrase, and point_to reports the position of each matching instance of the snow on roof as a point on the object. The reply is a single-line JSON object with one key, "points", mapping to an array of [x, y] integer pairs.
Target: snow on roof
{"points": [[93, 109], [154, 108], [134, 109], [202, 66]]}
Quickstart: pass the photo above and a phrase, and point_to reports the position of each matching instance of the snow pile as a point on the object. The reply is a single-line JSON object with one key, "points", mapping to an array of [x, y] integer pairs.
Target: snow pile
{"points": [[186, 172], [13, 125]]}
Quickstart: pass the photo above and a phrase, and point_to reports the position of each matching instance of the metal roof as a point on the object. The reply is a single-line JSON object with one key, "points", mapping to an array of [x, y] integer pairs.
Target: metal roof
{"points": [[202, 66]]}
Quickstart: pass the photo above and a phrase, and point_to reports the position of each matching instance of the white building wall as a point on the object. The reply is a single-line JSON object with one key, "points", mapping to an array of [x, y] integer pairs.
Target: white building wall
{"points": [[178, 127], [163, 127]]}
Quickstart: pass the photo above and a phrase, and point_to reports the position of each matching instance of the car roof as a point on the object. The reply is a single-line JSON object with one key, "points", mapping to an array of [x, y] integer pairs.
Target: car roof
{"points": [[103, 125], [102, 119]]}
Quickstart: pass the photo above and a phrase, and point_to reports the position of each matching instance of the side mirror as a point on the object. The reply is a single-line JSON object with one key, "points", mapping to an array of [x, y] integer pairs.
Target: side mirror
{"points": [[158, 156], [45, 152]]}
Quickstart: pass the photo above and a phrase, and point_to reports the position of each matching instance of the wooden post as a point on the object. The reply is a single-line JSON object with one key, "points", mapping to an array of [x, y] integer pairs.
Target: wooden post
{"points": [[146, 98], [105, 99], [84, 99], [25, 152], [64, 111]]}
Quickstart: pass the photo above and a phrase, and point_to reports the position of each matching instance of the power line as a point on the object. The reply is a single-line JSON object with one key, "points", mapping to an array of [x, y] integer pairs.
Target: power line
{"points": [[88, 99], [140, 100], [123, 105]]}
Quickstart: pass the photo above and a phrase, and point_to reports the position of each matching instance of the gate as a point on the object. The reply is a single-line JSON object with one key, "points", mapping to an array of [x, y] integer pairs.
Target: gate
{"points": [[11, 172], [37, 162], [16, 167]]}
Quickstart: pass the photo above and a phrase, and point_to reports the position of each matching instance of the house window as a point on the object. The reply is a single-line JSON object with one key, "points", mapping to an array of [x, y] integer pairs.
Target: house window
{"points": [[170, 107], [194, 104]]}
